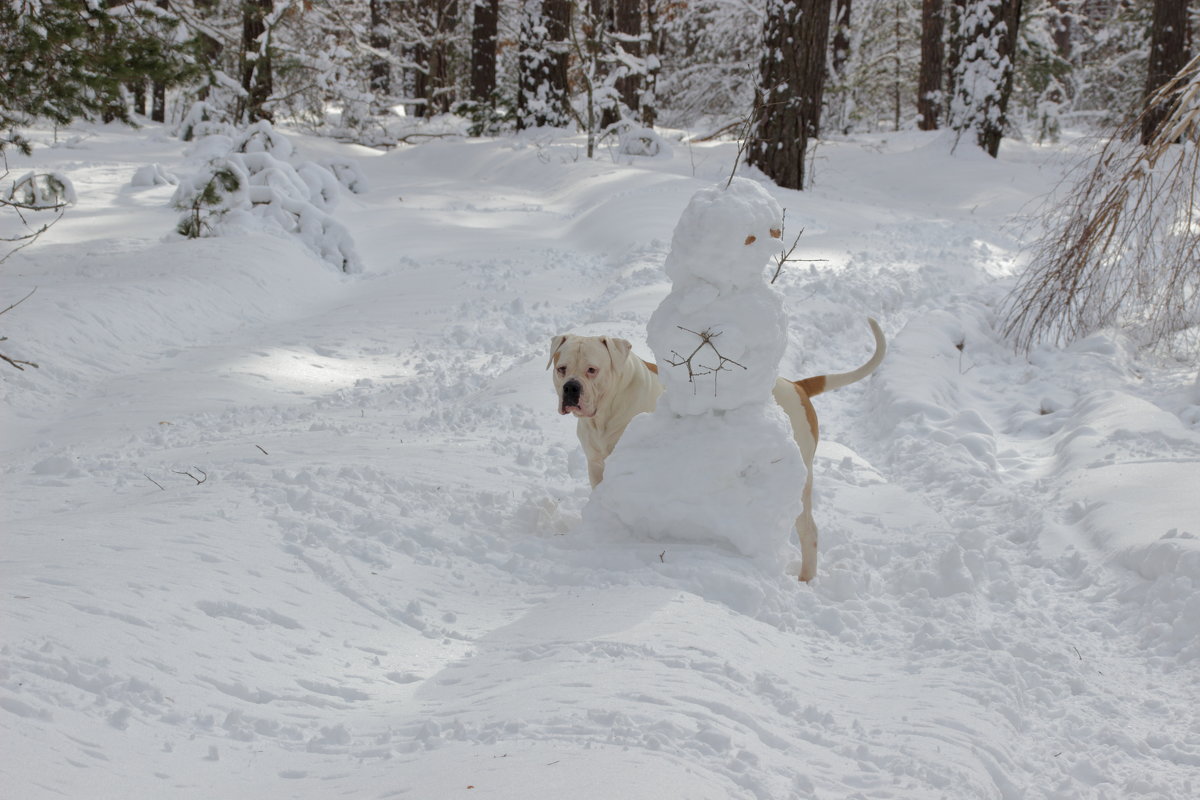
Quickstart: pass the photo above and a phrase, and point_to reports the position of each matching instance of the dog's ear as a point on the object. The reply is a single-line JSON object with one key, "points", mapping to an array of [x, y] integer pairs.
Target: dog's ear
{"points": [[618, 349], [555, 343]]}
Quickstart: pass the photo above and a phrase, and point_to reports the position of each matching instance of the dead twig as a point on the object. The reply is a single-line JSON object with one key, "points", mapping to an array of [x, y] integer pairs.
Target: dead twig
{"points": [[156, 483], [724, 129], [193, 477], [785, 256], [17, 362], [961, 347], [260, 447], [22, 300], [744, 141], [697, 369], [417, 135]]}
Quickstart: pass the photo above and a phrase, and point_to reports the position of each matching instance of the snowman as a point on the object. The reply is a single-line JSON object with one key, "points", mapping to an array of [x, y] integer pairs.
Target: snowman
{"points": [[715, 462]]}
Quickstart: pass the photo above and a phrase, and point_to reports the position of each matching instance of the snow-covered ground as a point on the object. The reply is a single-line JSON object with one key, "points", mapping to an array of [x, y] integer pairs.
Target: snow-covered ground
{"points": [[382, 587]]}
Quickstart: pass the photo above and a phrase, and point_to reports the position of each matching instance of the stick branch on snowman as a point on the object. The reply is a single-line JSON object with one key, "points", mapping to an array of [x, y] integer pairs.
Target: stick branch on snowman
{"points": [[706, 337]]}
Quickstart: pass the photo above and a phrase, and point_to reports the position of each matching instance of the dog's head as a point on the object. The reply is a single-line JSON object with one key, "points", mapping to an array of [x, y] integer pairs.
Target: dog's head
{"points": [[585, 367]]}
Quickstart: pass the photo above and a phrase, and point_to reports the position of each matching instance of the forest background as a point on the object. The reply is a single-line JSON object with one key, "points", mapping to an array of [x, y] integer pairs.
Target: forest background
{"points": [[366, 70]]}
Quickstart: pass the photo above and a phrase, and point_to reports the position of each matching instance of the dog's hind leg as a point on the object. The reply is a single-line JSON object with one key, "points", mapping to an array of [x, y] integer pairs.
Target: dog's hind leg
{"points": [[807, 530]]}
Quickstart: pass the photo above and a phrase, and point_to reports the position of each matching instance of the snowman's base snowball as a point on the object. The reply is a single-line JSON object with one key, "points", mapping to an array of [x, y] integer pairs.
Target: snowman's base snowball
{"points": [[731, 479]]}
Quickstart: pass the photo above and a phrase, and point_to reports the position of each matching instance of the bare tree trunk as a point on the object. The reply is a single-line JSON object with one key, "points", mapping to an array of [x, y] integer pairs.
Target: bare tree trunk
{"points": [[256, 59], [158, 102], [158, 90], [599, 25], [1062, 28], [210, 48], [953, 11], [990, 141], [653, 48], [933, 65], [380, 38], [1168, 55], [627, 23], [791, 85], [558, 27], [841, 37], [898, 82], [138, 89], [484, 27], [440, 86]]}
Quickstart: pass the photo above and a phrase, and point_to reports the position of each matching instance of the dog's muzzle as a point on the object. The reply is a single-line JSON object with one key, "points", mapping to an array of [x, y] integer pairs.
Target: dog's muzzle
{"points": [[570, 396]]}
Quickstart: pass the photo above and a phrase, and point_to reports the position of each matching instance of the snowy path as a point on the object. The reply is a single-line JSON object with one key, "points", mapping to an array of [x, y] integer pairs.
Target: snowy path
{"points": [[377, 591]]}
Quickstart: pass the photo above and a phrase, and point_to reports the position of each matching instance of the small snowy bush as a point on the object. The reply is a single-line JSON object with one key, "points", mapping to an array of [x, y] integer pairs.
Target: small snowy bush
{"points": [[201, 120], [29, 206], [255, 180], [208, 196], [152, 175], [348, 174], [635, 140], [41, 191]]}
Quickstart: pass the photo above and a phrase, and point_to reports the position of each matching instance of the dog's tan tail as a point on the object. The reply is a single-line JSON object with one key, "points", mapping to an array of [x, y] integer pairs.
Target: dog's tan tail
{"points": [[827, 383]]}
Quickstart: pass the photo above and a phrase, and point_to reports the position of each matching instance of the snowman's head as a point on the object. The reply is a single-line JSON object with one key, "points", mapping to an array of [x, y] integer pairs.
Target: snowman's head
{"points": [[726, 236]]}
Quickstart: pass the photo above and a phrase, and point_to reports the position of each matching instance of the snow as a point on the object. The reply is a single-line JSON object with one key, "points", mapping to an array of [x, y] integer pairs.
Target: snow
{"points": [[726, 478], [383, 587]]}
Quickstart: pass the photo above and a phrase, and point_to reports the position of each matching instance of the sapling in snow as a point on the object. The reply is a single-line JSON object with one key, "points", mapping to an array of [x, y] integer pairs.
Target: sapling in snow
{"points": [[26, 203], [255, 180], [207, 197]]}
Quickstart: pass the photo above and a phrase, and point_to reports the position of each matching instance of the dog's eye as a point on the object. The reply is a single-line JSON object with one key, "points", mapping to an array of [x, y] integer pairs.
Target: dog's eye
{"points": [[562, 370], [592, 370]]}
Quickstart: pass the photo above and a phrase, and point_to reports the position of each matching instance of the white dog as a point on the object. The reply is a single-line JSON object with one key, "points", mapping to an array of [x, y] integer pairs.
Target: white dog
{"points": [[601, 381]]}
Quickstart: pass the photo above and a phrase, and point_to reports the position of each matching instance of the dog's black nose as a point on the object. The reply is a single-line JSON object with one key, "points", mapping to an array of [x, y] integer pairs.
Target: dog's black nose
{"points": [[571, 390]]}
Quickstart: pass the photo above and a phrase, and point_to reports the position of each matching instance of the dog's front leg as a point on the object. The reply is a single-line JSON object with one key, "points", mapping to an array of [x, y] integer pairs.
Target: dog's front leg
{"points": [[595, 470]]}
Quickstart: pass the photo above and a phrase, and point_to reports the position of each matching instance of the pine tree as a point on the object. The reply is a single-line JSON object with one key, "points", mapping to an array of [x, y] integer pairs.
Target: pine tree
{"points": [[70, 59], [984, 75], [485, 23], [542, 97]]}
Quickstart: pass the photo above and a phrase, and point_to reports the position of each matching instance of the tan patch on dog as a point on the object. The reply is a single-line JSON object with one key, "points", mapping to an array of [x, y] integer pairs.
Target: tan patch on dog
{"points": [[812, 387], [810, 413]]}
